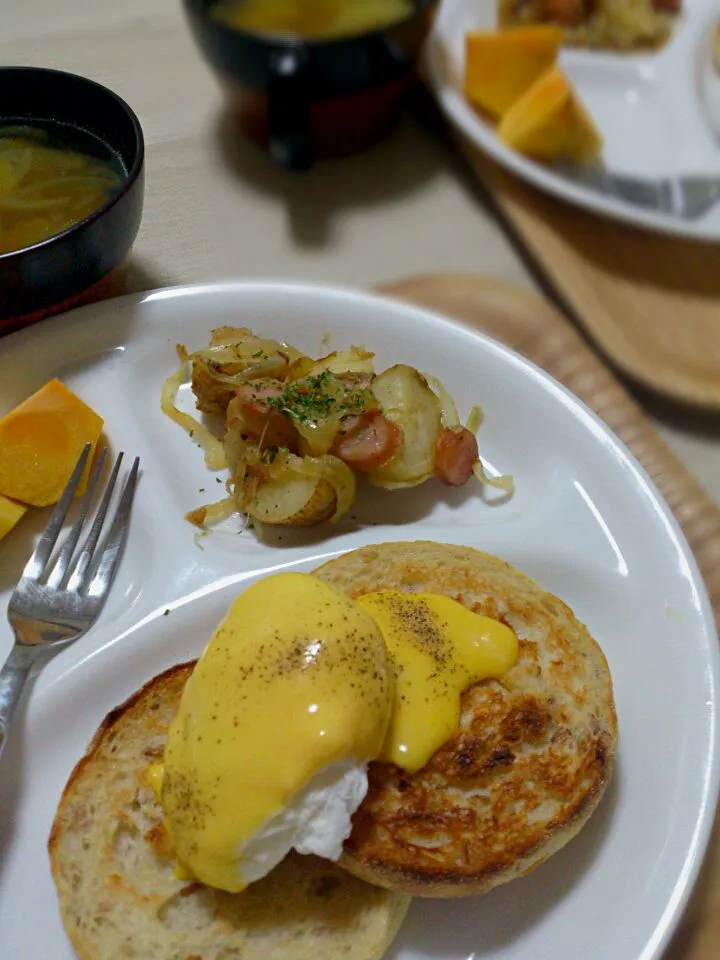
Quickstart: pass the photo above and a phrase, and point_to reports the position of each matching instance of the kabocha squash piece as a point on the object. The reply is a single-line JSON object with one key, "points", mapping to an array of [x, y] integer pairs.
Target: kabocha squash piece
{"points": [[10, 514], [549, 122], [501, 67], [40, 442]]}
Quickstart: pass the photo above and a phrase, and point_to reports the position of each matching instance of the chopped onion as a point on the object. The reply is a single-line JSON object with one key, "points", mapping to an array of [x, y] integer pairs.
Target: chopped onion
{"points": [[448, 410], [356, 360], [242, 340], [475, 419], [300, 368], [234, 443], [212, 513], [291, 352], [273, 368], [19, 204], [13, 168], [505, 482], [239, 346], [318, 435], [212, 447]]}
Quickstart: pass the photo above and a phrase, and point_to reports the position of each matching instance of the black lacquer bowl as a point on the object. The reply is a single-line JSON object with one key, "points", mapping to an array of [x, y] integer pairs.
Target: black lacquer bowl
{"points": [[86, 261], [309, 98]]}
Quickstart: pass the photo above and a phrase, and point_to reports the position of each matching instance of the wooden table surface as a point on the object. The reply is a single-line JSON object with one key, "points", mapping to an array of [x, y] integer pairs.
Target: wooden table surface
{"points": [[216, 208]]}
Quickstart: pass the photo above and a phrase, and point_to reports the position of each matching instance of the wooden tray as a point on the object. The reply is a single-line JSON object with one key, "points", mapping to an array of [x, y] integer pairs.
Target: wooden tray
{"points": [[650, 302], [537, 330]]}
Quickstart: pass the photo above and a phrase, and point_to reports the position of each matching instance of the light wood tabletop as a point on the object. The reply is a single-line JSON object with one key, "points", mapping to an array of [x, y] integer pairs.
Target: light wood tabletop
{"points": [[216, 207]]}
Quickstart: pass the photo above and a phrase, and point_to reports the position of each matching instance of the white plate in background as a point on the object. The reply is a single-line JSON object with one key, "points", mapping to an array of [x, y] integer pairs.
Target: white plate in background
{"points": [[658, 111]]}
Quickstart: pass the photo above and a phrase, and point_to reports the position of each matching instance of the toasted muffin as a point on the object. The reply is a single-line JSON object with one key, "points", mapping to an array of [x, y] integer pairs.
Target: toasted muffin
{"points": [[534, 752], [119, 895]]}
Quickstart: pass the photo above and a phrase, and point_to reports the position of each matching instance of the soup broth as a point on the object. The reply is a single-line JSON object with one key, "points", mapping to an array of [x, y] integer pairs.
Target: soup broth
{"points": [[51, 178], [311, 18]]}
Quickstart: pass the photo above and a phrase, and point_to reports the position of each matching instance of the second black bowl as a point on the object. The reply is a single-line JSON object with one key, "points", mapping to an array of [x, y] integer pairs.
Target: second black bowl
{"points": [[307, 98]]}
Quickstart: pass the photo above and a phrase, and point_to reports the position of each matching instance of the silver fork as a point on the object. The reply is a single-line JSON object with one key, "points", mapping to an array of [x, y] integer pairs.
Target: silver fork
{"points": [[687, 198], [57, 602]]}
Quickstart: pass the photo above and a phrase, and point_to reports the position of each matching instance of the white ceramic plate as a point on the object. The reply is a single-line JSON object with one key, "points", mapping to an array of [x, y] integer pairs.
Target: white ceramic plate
{"points": [[658, 112], [585, 521]]}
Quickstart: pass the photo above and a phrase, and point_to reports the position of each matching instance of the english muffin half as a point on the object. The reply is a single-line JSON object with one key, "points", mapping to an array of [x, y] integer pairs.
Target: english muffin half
{"points": [[534, 752], [120, 896]]}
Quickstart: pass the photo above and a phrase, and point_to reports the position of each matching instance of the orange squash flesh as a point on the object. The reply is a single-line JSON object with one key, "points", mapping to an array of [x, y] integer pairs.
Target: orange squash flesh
{"points": [[549, 122], [501, 67], [10, 514], [40, 442]]}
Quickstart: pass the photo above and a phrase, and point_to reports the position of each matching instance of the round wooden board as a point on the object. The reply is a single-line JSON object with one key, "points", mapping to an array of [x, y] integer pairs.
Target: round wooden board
{"points": [[651, 302]]}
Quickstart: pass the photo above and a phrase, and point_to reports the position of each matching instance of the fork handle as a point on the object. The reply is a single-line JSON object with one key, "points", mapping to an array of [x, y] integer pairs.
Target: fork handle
{"points": [[13, 675]]}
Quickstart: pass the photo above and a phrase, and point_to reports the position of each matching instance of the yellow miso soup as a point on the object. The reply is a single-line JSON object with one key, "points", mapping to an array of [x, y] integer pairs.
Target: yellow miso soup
{"points": [[323, 19], [51, 178]]}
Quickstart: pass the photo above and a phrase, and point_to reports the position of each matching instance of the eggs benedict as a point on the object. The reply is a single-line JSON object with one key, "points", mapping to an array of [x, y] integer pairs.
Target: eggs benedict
{"points": [[298, 690], [315, 715]]}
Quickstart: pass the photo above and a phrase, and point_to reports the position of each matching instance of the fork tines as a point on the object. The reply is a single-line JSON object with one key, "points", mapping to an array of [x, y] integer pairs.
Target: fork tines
{"points": [[89, 570]]}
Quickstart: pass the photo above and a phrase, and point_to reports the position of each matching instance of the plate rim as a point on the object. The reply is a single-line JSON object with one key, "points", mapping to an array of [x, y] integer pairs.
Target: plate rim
{"points": [[460, 113], [669, 919]]}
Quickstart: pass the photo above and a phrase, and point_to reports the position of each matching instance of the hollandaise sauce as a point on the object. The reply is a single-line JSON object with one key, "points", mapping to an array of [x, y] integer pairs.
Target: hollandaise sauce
{"points": [[438, 648], [294, 679], [311, 18]]}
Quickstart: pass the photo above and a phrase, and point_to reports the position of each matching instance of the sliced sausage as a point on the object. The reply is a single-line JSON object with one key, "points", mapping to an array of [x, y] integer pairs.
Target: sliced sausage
{"points": [[456, 452], [257, 418], [367, 441], [254, 394]]}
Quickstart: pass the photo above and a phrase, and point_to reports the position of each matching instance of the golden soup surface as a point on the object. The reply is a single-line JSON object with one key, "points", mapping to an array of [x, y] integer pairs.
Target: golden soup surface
{"points": [[311, 18], [48, 183]]}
